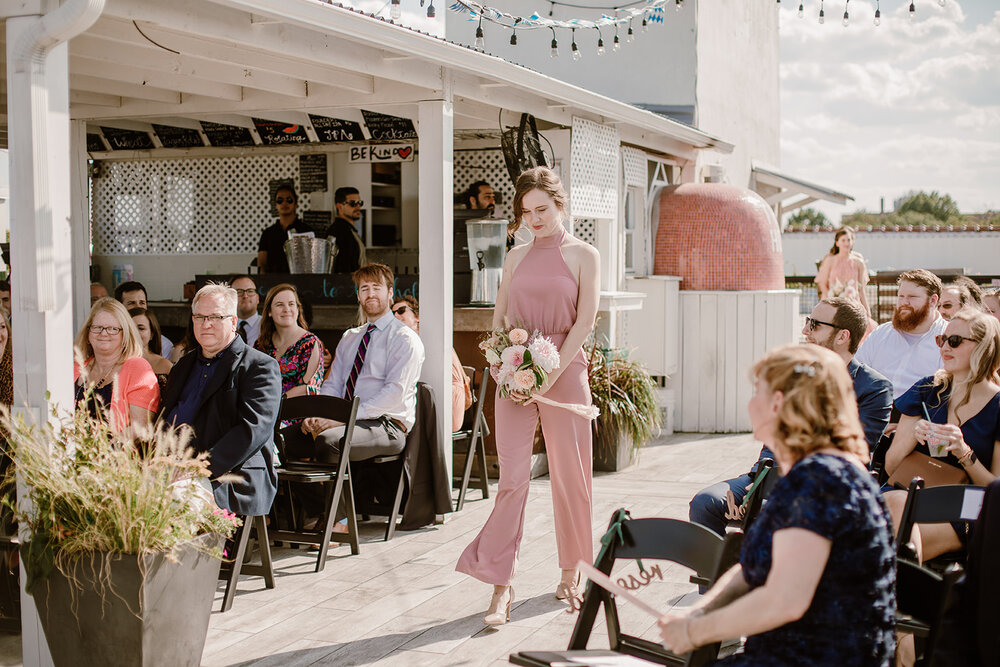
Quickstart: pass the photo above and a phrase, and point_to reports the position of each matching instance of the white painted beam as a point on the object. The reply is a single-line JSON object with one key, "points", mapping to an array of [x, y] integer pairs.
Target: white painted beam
{"points": [[141, 76], [97, 99], [95, 84]]}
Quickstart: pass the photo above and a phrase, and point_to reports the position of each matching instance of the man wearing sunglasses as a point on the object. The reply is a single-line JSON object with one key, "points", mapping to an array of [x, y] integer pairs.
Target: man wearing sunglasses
{"points": [[350, 249], [271, 256], [904, 349], [837, 324]]}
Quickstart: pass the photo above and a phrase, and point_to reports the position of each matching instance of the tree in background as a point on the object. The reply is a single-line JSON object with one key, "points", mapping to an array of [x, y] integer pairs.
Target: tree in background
{"points": [[940, 207], [808, 217]]}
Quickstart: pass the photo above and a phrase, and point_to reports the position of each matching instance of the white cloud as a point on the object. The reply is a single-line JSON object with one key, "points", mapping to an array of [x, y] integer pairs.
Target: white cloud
{"points": [[878, 111]]}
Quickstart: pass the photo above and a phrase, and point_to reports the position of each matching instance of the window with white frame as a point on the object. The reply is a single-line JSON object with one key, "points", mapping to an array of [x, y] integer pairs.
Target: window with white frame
{"points": [[633, 230]]}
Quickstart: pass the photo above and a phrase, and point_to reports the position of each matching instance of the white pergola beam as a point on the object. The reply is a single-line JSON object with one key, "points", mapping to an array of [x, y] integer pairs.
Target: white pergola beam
{"points": [[142, 76], [97, 99], [95, 84], [805, 201]]}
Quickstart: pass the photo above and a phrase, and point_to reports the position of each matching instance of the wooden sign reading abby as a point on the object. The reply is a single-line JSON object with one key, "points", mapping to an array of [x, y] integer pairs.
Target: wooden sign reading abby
{"points": [[382, 153]]}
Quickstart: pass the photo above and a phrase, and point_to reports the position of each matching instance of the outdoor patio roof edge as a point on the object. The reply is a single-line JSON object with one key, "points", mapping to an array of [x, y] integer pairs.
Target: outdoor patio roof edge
{"points": [[352, 24], [795, 185]]}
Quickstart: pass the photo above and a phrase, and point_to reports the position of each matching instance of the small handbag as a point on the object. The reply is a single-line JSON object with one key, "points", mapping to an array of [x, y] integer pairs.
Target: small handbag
{"points": [[935, 472]]}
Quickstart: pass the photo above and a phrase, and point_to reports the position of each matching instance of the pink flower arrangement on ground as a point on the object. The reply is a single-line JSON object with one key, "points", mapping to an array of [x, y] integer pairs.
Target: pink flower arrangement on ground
{"points": [[519, 362]]}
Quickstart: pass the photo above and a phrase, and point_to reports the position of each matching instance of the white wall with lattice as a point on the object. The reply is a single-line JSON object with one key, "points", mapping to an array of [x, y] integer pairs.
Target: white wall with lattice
{"points": [[206, 206], [485, 164], [594, 170]]}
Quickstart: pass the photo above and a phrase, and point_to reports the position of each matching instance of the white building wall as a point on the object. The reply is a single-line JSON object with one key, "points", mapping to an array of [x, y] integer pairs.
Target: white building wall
{"points": [[976, 252], [737, 89]]}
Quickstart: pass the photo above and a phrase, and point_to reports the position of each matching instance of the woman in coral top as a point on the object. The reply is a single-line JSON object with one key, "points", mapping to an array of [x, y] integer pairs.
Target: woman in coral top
{"points": [[111, 379]]}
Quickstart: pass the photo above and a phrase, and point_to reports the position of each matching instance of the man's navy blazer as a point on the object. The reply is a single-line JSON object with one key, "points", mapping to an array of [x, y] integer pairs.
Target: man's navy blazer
{"points": [[234, 423]]}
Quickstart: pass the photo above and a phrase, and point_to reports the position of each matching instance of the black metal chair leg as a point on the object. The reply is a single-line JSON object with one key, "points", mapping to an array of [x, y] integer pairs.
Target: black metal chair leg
{"points": [[233, 574], [390, 529]]}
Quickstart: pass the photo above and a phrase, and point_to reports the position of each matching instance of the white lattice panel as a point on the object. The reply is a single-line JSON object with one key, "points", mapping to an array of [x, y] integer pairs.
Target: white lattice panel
{"points": [[484, 165], [594, 170], [634, 166], [585, 229], [216, 205]]}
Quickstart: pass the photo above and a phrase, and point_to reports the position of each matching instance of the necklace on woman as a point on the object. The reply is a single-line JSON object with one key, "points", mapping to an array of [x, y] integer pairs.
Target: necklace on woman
{"points": [[105, 378]]}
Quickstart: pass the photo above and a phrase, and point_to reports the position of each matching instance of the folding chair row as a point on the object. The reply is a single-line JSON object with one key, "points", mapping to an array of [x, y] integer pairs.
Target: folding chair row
{"points": [[473, 432]]}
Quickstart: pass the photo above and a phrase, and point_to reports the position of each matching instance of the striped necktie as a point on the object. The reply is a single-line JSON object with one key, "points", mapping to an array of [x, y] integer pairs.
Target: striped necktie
{"points": [[359, 361]]}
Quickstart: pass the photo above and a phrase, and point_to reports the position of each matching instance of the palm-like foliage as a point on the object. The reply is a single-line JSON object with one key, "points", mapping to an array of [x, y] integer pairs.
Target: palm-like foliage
{"points": [[626, 396]]}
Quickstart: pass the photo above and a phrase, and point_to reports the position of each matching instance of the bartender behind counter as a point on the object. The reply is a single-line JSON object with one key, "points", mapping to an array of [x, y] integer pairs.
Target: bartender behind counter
{"points": [[271, 256], [350, 249]]}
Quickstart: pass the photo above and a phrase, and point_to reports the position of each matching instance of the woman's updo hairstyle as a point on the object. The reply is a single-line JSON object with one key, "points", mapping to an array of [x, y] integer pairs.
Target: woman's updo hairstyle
{"points": [[819, 410], [539, 178]]}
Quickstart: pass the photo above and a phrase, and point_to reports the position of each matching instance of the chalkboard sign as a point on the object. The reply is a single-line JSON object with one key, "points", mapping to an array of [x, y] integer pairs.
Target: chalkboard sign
{"points": [[127, 140], [318, 221], [332, 130], [94, 143], [226, 135], [274, 133], [177, 137], [312, 172], [382, 127]]}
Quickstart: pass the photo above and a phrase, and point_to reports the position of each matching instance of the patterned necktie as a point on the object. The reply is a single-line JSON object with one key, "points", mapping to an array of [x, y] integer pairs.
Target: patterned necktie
{"points": [[242, 330], [359, 361]]}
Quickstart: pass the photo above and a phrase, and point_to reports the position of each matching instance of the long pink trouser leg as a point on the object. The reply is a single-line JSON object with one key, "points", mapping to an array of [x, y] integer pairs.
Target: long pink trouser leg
{"points": [[492, 556]]}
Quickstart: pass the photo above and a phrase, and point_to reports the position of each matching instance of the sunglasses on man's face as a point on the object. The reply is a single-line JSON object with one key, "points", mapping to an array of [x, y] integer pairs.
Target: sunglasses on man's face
{"points": [[400, 311], [812, 323], [282, 200], [953, 340], [356, 202]]}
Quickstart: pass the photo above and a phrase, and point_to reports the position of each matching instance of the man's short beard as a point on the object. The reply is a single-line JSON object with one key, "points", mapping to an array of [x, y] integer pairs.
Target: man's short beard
{"points": [[910, 322]]}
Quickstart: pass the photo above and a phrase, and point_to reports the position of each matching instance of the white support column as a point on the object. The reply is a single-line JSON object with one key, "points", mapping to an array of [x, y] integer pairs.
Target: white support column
{"points": [[79, 221], [436, 125]]}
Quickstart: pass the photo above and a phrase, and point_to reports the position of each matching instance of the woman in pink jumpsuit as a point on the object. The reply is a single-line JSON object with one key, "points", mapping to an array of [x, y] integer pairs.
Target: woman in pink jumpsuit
{"points": [[551, 284]]}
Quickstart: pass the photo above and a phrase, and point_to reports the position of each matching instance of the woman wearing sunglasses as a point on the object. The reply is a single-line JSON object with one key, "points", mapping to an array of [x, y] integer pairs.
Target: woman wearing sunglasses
{"points": [[959, 406], [111, 378]]}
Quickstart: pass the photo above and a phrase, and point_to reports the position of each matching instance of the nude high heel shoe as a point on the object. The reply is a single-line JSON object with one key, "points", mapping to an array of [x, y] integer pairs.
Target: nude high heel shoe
{"points": [[567, 590], [498, 613]]}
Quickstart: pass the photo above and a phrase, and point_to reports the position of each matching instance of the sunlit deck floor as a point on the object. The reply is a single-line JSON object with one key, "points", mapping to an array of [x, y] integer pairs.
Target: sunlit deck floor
{"points": [[402, 603]]}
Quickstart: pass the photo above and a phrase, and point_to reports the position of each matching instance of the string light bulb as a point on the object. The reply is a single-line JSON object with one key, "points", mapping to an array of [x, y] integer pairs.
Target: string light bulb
{"points": [[878, 18], [913, 11], [644, 23], [678, 4], [395, 10], [574, 49], [822, 18], [431, 12], [847, 17], [630, 36], [555, 45], [513, 38], [802, 11], [480, 37], [600, 46], [617, 44]]}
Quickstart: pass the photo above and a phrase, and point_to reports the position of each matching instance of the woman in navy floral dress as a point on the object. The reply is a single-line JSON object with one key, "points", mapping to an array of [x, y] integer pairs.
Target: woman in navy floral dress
{"points": [[283, 335], [815, 582]]}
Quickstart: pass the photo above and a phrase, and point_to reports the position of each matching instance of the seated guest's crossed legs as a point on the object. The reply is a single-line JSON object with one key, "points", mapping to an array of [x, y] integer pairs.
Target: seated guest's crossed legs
{"points": [[930, 539], [708, 507]]}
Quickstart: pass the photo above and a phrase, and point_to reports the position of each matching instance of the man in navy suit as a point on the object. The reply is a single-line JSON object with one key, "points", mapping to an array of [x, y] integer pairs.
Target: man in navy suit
{"points": [[837, 324], [229, 394]]}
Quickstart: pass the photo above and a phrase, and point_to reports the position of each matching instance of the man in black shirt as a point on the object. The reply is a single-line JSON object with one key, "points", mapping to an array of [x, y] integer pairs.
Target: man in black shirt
{"points": [[350, 249], [271, 256]]}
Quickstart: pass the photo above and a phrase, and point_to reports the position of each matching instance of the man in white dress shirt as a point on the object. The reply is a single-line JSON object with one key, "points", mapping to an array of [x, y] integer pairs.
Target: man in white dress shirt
{"points": [[248, 325], [904, 349], [379, 362]]}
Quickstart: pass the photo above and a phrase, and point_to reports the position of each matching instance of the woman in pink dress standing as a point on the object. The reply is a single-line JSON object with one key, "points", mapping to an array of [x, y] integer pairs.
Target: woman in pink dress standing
{"points": [[551, 284]]}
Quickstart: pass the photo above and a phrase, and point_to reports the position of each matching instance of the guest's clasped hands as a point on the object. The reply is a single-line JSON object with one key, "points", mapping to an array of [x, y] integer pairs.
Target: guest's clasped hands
{"points": [[675, 631], [315, 425]]}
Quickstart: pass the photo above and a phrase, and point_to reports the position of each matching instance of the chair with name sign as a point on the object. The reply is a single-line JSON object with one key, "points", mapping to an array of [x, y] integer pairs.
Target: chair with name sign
{"points": [[473, 433], [682, 542], [936, 504]]}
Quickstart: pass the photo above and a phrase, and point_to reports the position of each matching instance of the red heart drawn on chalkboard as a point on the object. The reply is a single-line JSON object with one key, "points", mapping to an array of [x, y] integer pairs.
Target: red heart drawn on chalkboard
{"points": [[404, 152]]}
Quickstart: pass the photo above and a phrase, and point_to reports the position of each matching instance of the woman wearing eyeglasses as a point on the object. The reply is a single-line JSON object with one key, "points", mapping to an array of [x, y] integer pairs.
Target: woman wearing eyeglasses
{"points": [[962, 401], [111, 378], [283, 335]]}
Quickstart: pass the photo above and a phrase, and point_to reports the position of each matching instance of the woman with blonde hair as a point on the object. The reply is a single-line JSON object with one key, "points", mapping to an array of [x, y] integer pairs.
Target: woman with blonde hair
{"points": [[552, 285], [843, 272], [110, 376], [283, 335], [962, 401], [819, 556]]}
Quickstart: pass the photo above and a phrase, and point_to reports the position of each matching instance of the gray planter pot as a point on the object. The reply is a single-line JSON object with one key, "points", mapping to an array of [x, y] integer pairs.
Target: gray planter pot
{"points": [[615, 452], [156, 612]]}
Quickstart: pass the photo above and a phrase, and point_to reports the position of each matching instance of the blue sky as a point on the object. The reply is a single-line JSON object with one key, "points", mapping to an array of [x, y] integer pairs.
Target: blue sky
{"points": [[908, 105]]}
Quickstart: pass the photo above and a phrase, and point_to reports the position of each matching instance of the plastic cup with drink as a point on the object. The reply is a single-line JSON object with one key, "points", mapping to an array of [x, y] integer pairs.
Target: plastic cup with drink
{"points": [[937, 444]]}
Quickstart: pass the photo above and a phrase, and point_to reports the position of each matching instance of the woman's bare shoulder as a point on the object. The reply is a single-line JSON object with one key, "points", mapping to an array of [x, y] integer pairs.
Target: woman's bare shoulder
{"points": [[581, 248]]}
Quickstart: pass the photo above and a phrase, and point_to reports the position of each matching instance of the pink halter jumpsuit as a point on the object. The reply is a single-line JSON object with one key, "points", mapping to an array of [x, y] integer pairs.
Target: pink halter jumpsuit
{"points": [[542, 295]]}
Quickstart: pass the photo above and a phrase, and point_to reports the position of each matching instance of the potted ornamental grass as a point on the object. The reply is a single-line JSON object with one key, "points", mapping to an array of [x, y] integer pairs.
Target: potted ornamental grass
{"points": [[123, 541], [630, 417]]}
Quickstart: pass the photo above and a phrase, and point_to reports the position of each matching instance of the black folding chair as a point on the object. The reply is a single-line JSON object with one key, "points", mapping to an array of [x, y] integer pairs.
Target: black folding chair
{"points": [[336, 475], [473, 432], [687, 544], [230, 572], [936, 504], [922, 596]]}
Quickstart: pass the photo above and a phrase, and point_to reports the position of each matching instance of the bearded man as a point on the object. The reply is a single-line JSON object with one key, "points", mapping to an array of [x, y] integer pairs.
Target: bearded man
{"points": [[904, 350]]}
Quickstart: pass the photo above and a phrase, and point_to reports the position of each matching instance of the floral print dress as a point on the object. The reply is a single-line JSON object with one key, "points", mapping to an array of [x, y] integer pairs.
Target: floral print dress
{"points": [[295, 362]]}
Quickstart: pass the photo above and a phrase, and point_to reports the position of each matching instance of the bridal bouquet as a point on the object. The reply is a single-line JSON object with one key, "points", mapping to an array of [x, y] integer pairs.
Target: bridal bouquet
{"points": [[520, 363]]}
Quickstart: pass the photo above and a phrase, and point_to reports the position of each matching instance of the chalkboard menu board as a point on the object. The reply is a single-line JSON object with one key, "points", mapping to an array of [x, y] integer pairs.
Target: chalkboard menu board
{"points": [[127, 140], [332, 130], [226, 135], [177, 137], [312, 173], [94, 143], [274, 133], [382, 127], [318, 221]]}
